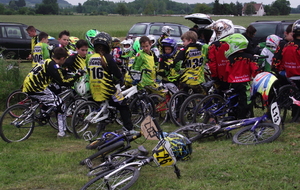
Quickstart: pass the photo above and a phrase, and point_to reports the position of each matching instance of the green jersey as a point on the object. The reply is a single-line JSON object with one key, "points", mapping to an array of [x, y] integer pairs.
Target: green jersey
{"points": [[40, 53]]}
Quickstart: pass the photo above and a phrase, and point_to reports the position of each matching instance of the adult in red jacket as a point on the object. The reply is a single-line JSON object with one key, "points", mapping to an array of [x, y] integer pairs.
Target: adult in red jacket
{"points": [[240, 70]]}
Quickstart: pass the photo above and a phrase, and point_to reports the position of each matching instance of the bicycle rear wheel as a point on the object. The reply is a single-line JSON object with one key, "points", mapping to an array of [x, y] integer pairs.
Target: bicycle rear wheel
{"points": [[288, 111], [161, 108], [81, 120], [15, 129], [191, 131], [263, 133], [175, 104], [122, 179], [188, 109], [17, 97]]}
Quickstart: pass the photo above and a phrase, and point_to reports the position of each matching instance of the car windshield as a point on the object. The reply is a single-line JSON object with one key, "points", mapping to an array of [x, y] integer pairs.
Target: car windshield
{"points": [[138, 29], [264, 29]]}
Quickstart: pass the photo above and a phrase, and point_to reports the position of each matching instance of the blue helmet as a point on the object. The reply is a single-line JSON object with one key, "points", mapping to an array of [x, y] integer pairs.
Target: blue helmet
{"points": [[169, 42]]}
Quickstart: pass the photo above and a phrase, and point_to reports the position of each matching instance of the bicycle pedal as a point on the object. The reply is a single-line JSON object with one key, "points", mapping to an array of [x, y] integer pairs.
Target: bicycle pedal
{"points": [[88, 163]]}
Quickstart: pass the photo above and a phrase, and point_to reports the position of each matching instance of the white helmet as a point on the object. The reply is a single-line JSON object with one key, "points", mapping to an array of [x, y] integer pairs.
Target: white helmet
{"points": [[221, 28], [127, 42], [166, 30], [153, 39], [82, 86], [272, 41]]}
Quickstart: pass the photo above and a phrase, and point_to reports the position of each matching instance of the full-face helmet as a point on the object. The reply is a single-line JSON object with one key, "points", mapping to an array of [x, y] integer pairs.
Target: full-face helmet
{"points": [[180, 145], [272, 41], [90, 35], [296, 27], [153, 39], [236, 43], [127, 42], [104, 39], [221, 28], [169, 42], [115, 42], [166, 30], [82, 86]]}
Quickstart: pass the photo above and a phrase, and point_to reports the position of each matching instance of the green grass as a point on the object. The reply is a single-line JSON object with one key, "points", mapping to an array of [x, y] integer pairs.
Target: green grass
{"points": [[114, 25], [45, 162]]}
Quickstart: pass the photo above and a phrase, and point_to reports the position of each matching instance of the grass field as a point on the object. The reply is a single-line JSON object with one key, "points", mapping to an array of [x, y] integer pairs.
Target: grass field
{"points": [[115, 25], [46, 163]]}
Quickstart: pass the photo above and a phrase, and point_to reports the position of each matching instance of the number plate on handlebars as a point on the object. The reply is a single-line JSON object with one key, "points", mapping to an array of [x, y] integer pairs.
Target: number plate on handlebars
{"points": [[275, 114], [163, 155]]}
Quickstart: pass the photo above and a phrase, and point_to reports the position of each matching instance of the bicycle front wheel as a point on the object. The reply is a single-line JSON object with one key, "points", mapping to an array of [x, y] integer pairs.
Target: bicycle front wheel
{"points": [[15, 129], [191, 131], [123, 179], [161, 108], [175, 104], [81, 120], [263, 133], [188, 109], [140, 108]]}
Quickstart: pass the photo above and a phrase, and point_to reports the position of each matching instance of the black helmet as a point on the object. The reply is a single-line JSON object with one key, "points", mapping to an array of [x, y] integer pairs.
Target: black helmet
{"points": [[296, 27], [104, 39]]}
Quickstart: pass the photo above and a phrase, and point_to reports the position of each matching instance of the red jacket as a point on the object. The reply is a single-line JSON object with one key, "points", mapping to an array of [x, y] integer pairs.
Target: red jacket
{"points": [[217, 61], [289, 59], [241, 68]]}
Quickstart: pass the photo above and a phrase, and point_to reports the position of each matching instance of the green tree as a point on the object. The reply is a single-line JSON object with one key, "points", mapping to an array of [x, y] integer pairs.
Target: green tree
{"points": [[239, 8], [2, 9], [13, 5], [283, 6], [202, 8], [149, 9], [216, 9], [122, 9], [21, 3], [79, 8], [250, 9]]}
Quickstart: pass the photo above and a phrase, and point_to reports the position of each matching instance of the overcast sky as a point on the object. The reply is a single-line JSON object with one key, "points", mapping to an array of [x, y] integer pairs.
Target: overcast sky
{"points": [[293, 3]]}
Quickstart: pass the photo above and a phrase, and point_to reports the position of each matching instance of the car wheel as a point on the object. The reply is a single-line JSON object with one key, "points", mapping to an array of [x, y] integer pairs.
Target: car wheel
{"points": [[10, 55]]}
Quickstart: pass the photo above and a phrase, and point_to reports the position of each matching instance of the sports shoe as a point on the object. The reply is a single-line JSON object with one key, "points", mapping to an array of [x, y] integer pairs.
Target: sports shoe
{"points": [[62, 135]]}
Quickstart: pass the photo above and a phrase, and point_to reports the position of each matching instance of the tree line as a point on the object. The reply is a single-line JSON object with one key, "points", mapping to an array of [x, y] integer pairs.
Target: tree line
{"points": [[145, 7]]}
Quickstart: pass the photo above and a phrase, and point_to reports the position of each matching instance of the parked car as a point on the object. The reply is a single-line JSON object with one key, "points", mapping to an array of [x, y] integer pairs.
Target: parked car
{"points": [[15, 41], [154, 28], [265, 28]]}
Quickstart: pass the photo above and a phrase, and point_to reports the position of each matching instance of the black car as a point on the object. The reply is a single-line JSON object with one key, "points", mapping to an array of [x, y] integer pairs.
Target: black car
{"points": [[265, 28], [15, 41]]}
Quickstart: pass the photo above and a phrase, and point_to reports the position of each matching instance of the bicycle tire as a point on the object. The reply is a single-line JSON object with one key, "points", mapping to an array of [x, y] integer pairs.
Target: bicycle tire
{"points": [[174, 106], [80, 123], [161, 108], [189, 131], [285, 104], [113, 162], [17, 97], [140, 107], [127, 174], [105, 151], [205, 110], [9, 131], [267, 132], [188, 108]]}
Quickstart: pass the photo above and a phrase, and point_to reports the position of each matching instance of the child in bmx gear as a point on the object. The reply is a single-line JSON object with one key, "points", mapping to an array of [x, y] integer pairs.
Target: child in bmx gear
{"points": [[41, 51], [63, 39], [154, 46], [146, 59], [166, 32], [167, 69], [216, 53], [191, 56], [104, 74], [34, 39], [272, 43], [78, 60], [240, 70], [89, 36], [289, 59], [36, 84]]}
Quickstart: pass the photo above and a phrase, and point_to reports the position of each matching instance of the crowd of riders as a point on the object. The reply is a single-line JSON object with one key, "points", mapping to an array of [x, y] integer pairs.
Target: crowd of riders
{"points": [[229, 58]]}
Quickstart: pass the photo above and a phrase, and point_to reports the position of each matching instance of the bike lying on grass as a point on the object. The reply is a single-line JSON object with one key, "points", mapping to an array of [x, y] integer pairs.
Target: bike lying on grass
{"points": [[124, 174], [255, 130]]}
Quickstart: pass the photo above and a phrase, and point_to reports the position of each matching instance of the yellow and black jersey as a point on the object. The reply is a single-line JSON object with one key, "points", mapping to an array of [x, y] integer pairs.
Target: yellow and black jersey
{"points": [[102, 69], [75, 62], [42, 75], [34, 41]]}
